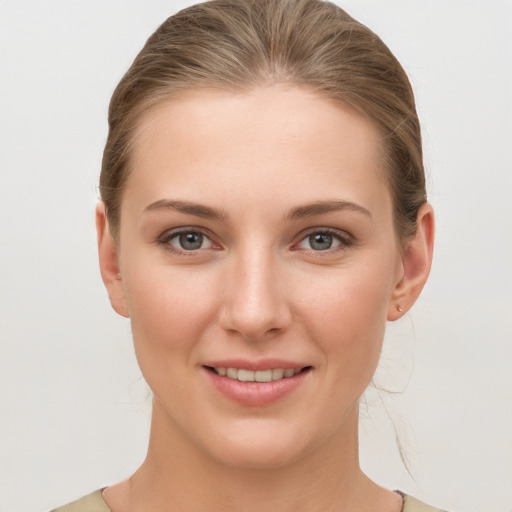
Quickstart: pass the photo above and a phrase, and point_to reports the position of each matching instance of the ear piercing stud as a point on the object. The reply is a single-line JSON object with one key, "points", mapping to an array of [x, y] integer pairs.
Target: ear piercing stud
{"points": [[399, 308]]}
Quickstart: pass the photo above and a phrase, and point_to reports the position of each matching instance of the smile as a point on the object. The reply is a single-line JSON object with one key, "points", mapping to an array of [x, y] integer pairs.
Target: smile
{"points": [[269, 375], [256, 383]]}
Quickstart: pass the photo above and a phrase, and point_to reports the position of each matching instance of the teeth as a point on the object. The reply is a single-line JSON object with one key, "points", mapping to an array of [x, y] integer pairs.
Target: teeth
{"points": [[257, 376], [245, 375], [263, 376], [232, 373], [277, 373]]}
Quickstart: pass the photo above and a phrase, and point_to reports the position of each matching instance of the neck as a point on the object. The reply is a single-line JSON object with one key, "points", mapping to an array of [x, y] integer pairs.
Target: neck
{"points": [[177, 476]]}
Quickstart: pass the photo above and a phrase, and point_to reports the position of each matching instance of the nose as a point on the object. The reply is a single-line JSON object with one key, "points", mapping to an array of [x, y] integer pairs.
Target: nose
{"points": [[255, 302]]}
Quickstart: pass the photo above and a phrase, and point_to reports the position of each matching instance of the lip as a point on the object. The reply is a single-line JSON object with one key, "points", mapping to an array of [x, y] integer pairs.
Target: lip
{"points": [[255, 394], [258, 365]]}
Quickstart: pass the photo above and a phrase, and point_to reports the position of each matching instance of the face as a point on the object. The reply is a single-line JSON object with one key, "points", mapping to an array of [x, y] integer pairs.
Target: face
{"points": [[258, 264]]}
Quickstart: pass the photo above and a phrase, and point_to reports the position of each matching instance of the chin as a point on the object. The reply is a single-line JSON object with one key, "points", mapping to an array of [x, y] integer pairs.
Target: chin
{"points": [[256, 457], [260, 446]]}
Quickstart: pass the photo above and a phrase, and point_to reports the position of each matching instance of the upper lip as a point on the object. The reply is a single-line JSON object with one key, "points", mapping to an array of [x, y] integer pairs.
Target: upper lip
{"points": [[255, 365]]}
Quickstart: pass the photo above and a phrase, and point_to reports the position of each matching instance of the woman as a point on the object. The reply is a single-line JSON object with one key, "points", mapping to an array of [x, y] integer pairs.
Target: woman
{"points": [[263, 215]]}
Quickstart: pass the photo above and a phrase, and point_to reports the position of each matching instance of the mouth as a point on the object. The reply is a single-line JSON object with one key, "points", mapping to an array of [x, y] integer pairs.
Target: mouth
{"points": [[256, 383], [268, 375]]}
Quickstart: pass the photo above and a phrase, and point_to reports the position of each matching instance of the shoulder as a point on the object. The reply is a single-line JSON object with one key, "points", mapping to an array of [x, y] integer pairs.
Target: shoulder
{"points": [[91, 503], [413, 505], [94, 503]]}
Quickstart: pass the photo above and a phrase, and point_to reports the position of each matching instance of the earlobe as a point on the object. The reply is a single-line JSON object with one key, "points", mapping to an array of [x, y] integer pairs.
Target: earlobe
{"points": [[416, 263], [109, 262]]}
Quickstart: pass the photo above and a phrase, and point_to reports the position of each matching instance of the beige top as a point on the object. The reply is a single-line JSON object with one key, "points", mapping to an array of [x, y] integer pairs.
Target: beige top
{"points": [[95, 503]]}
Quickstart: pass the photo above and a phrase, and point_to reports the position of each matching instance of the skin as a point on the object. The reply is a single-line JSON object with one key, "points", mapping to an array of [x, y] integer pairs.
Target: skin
{"points": [[257, 288]]}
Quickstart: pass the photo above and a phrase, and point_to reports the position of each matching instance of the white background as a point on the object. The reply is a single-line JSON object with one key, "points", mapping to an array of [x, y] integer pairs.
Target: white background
{"points": [[74, 411]]}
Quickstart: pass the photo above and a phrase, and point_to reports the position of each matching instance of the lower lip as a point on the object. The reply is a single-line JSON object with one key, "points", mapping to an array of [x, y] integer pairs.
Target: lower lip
{"points": [[255, 393]]}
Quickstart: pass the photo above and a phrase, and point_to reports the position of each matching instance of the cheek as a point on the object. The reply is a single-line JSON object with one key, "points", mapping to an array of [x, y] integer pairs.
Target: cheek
{"points": [[346, 313], [169, 308]]}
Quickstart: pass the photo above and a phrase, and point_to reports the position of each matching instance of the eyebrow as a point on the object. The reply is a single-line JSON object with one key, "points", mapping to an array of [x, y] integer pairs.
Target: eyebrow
{"points": [[199, 210], [299, 212], [319, 207]]}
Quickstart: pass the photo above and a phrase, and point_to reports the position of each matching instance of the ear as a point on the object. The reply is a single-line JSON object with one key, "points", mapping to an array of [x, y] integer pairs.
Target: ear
{"points": [[416, 263], [109, 262]]}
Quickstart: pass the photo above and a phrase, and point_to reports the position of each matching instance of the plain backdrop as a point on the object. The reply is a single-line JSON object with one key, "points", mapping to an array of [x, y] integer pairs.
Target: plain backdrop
{"points": [[74, 410]]}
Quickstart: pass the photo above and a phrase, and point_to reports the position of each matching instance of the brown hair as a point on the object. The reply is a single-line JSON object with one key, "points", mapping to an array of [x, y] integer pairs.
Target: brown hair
{"points": [[241, 44]]}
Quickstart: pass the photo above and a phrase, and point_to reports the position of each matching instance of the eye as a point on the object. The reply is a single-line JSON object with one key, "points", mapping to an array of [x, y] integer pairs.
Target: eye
{"points": [[188, 240], [324, 240]]}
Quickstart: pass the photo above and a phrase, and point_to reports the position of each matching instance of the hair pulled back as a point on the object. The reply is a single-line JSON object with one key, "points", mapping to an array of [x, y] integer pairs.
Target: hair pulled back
{"points": [[238, 45]]}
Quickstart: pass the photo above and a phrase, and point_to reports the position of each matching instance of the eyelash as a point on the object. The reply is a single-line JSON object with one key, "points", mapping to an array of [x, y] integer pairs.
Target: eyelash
{"points": [[345, 240], [165, 239]]}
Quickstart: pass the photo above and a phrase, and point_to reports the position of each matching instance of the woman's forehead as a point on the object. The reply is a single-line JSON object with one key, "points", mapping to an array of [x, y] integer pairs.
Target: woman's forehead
{"points": [[267, 142], [212, 133]]}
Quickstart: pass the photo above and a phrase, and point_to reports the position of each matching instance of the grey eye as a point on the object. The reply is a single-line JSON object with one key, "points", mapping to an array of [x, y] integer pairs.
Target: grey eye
{"points": [[186, 241], [190, 240], [320, 241], [323, 241]]}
